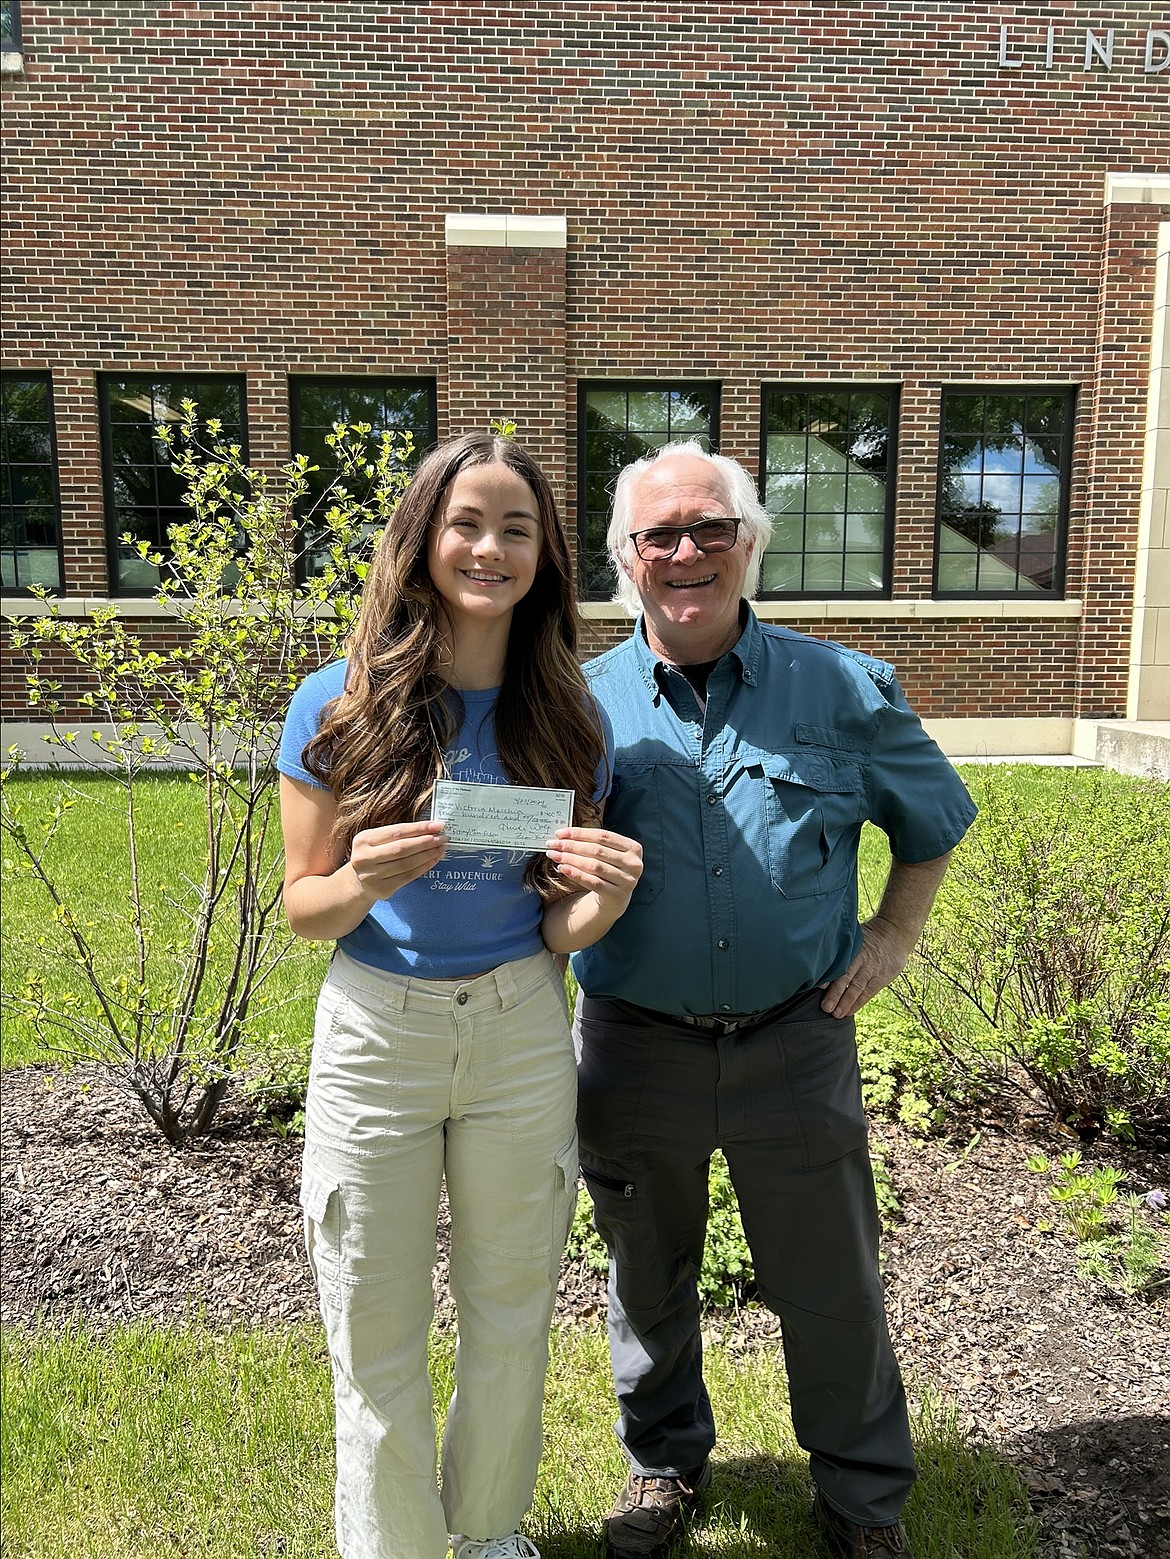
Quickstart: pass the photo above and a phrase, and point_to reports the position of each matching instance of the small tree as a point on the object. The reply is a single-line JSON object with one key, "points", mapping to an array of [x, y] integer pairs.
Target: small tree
{"points": [[169, 1016], [1045, 965]]}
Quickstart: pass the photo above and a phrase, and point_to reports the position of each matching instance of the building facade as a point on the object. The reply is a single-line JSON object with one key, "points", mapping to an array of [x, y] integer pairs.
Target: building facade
{"points": [[906, 262]]}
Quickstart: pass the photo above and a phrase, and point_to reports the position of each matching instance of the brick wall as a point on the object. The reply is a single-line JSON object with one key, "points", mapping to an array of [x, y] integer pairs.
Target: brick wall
{"points": [[754, 193]]}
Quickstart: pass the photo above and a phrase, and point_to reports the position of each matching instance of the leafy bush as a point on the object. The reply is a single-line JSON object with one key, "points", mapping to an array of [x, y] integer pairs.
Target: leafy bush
{"points": [[171, 1008], [1046, 962]]}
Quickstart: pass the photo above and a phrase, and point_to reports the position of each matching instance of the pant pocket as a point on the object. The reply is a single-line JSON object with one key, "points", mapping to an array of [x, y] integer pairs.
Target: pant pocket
{"points": [[565, 1177], [320, 1199]]}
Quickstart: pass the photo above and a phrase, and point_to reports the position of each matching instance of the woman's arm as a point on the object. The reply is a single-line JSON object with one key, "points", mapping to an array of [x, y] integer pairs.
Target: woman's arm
{"points": [[324, 901], [605, 867]]}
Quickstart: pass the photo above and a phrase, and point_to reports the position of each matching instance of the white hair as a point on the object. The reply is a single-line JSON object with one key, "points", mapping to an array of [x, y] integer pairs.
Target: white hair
{"points": [[741, 494]]}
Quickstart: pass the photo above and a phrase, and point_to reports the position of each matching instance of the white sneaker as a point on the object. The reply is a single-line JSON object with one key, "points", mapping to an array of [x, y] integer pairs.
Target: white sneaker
{"points": [[514, 1547]]}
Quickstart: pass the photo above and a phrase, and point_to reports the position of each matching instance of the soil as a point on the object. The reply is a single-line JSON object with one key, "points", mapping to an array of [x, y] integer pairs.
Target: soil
{"points": [[1064, 1374]]}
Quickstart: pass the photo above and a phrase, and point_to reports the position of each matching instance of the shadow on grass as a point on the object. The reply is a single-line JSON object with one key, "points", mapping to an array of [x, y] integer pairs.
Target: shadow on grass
{"points": [[969, 1503]]}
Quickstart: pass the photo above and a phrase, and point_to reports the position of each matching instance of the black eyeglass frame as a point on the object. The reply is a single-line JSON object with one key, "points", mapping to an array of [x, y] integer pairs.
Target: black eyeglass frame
{"points": [[679, 531]]}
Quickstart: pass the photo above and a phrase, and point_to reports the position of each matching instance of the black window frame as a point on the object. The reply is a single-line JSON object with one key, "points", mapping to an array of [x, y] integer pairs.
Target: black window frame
{"points": [[585, 553], [296, 385], [810, 388], [11, 45], [43, 377], [188, 385], [1056, 590]]}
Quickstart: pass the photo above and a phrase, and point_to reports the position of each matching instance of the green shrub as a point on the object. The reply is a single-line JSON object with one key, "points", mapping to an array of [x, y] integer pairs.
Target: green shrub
{"points": [[1046, 962], [173, 1002]]}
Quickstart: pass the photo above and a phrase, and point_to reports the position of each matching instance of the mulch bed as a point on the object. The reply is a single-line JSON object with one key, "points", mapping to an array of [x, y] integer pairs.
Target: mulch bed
{"points": [[105, 1222]]}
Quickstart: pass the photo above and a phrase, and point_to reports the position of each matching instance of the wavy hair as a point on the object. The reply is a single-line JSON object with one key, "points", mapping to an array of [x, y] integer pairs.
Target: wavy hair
{"points": [[741, 494], [381, 744]]}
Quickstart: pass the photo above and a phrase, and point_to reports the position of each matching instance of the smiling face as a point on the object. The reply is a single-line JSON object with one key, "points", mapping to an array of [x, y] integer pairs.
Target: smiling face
{"points": [[484, 546], [690, 601]]}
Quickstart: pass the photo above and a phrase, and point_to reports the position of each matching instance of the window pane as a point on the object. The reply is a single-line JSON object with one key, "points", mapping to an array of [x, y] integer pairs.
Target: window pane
{"points": [[956, 571], [605, 409], [31, 511], [825, 533], [865, 532], [786, 452], [833, 474], [781, 572], [1002, 496], [787, 533], [649, 410], [823, 571], [785, 493], [826, 492], [863, 572]]}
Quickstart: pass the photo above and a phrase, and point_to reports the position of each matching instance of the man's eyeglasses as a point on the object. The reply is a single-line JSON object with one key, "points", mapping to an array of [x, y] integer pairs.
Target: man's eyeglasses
{"points": [[660, 542]]}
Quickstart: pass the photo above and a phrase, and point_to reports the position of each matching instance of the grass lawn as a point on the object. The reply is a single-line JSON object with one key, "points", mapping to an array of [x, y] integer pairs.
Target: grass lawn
{"points": [[198, 1441], [203, 1442]]}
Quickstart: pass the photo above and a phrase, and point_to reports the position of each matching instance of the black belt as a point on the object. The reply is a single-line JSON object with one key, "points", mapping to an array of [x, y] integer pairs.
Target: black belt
{"points": [[728, 1025]]}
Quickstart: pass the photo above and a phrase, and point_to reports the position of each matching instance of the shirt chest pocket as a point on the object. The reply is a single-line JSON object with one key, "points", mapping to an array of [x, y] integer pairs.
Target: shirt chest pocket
{"points": [[813, 808]]}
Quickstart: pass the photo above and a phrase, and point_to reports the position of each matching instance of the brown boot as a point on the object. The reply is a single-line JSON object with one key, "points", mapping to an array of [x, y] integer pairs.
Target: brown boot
{"points": [[851, 1541], [649, 1513]]}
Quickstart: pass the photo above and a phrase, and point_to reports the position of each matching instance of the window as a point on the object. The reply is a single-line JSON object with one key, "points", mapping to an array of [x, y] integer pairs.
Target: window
{"points": [[397, 405], [1003, 492], [30, 510], [144, 497], [10, 31], [828, 459], [619, 423]]}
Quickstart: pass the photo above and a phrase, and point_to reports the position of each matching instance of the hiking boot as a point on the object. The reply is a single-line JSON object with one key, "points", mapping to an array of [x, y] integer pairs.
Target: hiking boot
{"points": [[649, 1513], [513, 1547], [851, 1541]]}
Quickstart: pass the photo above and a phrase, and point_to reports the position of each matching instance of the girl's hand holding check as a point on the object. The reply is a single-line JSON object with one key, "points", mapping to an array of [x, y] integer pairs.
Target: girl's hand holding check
{"points": [[386, 859]]}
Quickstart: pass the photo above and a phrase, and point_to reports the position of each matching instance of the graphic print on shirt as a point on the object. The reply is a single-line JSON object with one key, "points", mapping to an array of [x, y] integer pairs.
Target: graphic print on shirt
{"points": [[475, 864]]}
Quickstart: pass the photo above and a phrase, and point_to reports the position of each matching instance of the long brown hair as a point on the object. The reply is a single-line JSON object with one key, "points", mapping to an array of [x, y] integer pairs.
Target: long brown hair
{"points": [[380, 745]]}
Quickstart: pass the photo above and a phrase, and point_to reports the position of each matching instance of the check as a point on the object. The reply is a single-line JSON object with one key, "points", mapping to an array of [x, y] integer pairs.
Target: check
{"points": [[507, 817]]}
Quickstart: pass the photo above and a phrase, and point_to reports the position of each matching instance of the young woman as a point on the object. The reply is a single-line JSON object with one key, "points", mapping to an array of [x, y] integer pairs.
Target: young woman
{"points": [[441, 1046]]}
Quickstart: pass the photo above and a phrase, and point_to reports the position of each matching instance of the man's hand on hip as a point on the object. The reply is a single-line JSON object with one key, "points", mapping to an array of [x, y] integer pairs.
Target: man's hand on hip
{"points": [[882, 958], [889, 938]]}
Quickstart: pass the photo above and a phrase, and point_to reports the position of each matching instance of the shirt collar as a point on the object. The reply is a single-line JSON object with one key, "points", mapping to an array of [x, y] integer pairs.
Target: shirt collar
{"points": [[746, 651]]}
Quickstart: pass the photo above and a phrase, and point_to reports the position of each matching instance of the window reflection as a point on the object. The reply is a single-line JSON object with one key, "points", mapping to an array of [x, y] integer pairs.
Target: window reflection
{"points": [[828, 466]]}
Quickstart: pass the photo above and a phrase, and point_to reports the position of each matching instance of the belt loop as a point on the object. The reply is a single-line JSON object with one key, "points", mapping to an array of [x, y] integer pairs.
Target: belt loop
{"points": [[395, 993], [505, 985]]}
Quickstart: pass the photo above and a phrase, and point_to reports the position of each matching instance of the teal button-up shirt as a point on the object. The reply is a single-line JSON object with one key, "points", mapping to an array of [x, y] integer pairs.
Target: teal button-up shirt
{"points": [[750, 812]]}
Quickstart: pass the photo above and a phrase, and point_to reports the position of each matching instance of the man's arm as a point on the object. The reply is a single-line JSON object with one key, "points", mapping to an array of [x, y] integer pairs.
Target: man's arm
{"points": [[889, 937]]}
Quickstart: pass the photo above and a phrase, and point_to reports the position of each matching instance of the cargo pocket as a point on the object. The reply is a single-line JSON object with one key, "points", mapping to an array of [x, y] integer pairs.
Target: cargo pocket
{"points": [[614, 1209], [320, 1199], [565, 1174]]}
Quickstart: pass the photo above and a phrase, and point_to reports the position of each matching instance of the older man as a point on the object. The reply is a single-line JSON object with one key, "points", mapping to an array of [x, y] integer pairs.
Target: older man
{"points": [[718, 1012]]}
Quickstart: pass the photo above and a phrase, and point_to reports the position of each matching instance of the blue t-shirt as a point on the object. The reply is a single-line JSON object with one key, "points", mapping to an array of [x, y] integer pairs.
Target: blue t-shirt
{"points": [[471, 912], [750, 816]]}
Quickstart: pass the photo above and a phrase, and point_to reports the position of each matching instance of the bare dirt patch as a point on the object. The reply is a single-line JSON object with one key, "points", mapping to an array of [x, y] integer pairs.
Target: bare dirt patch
{"points": [[104, 1222]]}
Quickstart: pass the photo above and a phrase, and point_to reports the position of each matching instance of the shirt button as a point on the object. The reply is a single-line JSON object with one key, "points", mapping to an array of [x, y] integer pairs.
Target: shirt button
{"points": [[723, 944], [711, 800], [717, 871], [462, 998], [724, 1006]]}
